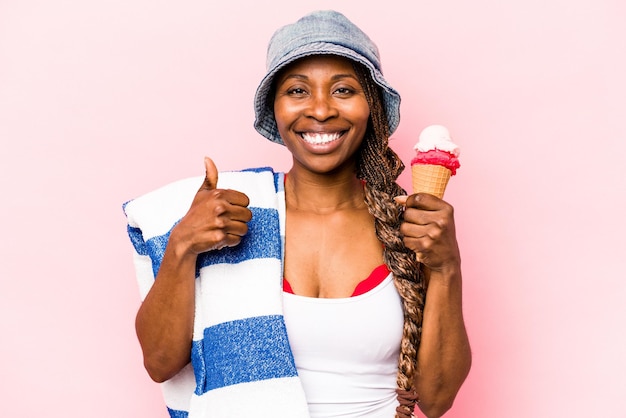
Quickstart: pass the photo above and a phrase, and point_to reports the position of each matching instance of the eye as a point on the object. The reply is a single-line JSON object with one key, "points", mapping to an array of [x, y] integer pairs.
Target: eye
{"points": [[344, 91], [296, 91]]}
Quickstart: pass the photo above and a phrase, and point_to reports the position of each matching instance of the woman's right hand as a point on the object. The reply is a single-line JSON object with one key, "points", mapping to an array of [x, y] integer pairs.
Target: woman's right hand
{"points": [[216, 219]]}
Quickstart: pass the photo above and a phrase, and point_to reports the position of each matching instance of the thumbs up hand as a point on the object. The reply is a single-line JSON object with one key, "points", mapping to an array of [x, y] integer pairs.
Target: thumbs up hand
{"points": [[216, 219]]}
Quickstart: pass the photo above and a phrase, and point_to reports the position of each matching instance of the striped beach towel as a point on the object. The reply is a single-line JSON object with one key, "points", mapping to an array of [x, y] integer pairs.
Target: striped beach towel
{"points": [[241, 362]]}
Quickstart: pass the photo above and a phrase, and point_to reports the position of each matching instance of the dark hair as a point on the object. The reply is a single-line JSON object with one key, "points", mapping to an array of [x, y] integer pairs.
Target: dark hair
{"points": [[379, 166]]}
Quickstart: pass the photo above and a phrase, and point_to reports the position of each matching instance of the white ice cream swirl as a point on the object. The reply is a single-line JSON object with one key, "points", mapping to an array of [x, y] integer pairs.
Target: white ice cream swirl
{"points": [[436, 137]]}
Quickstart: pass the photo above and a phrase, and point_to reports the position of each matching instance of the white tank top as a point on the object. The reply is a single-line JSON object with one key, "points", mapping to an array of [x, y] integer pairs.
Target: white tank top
{"points": [[346, 351]]}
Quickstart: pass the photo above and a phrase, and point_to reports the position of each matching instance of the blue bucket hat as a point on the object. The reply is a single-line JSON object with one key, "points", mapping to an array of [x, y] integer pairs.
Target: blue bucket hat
{"points": [[319, 33]]}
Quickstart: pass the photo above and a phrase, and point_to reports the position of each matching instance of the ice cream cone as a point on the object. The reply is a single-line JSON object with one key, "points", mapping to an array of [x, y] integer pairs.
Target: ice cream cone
{"points": [[428, 178]]}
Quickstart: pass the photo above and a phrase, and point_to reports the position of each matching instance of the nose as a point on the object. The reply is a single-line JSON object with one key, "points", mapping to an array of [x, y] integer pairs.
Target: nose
{"points": [[321, 107]]}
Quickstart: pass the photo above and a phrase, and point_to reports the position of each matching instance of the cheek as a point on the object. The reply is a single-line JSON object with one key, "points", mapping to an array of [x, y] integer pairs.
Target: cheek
{"points": [[363, 121], [361, 112], [281, 114]]}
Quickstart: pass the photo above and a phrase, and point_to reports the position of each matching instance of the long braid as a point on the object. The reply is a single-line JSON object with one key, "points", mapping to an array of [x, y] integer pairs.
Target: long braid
{"points": [[380, 167]]}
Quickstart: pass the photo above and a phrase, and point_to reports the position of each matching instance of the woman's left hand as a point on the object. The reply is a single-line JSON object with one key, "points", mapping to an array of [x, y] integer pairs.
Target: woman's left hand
{"points": [[428, 229]]}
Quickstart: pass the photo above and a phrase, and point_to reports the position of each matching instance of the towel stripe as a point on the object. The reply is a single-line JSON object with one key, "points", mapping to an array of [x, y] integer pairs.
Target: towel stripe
{"points": [[136, 238], [177, 414], [261, 241], [242, 351]]}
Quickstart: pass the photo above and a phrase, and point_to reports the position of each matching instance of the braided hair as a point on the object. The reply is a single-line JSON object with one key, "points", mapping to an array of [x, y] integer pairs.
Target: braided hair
{"points": [[379, 166]]}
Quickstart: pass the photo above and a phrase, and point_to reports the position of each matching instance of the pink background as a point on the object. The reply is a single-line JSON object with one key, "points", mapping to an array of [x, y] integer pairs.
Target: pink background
{"points": [[103, 101]]}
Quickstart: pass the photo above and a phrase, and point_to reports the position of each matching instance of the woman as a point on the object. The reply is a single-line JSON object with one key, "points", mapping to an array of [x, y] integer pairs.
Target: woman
{"points": [[357, 341]]}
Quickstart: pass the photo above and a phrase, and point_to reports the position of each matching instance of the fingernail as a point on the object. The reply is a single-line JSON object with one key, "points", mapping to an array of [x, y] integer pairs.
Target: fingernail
{"points": [[400, 199]]}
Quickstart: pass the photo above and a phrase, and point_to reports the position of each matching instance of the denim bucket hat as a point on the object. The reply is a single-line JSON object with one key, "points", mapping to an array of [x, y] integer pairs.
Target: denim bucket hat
{"points": [[319, 33]]}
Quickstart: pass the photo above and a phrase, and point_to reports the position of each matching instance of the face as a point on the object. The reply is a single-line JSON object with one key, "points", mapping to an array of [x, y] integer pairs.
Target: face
{"points": [[321, 113]]}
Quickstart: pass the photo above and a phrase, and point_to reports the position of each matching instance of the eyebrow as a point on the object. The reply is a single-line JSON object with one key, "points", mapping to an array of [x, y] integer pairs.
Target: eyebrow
{"points": [[335, 77]]}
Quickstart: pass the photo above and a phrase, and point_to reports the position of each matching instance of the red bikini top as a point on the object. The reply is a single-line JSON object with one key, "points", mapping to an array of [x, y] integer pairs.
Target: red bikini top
{"points": [[375, 278]]}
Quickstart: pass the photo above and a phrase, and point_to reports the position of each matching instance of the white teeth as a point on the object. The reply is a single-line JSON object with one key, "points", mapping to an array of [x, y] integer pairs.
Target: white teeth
{"points": [[320, 138]]}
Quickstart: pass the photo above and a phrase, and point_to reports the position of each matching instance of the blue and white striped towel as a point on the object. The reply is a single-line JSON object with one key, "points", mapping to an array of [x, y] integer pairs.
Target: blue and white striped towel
{"points": [[242, 364]]}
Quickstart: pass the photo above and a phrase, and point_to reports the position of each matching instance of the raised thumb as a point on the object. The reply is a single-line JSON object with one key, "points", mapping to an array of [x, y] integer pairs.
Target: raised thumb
{"points": [[210, 180]]}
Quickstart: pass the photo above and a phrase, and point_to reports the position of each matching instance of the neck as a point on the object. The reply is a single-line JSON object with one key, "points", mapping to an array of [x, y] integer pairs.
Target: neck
{"points": [[323, 194]]}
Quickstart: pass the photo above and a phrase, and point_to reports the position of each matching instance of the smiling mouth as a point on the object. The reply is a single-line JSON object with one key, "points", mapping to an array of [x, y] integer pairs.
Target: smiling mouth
{"points": [[318, 138]]}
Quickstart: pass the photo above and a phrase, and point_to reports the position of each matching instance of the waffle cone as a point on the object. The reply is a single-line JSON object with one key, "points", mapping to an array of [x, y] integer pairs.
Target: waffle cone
{"points": [[431, 179]]}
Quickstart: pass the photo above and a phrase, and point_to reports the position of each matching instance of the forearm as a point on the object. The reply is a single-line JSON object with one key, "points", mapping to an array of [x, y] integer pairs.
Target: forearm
{"points": [[164, 322], [444, 357]]}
